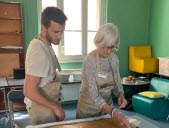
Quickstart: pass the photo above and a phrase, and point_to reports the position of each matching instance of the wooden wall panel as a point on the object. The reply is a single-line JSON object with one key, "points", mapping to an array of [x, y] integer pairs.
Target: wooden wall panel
{"points": [[8, 61], [11, 40]]}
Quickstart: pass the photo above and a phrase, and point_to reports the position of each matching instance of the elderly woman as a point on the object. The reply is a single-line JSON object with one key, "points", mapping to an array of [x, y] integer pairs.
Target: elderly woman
{"points": [[101, 77]]}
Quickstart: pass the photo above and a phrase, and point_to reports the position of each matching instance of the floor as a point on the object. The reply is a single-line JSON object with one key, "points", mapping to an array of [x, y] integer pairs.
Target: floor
{"points": [[22, 119]]}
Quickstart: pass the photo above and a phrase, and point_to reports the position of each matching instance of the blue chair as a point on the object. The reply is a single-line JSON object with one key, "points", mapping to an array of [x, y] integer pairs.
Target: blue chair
{"points": [[14, 95]]}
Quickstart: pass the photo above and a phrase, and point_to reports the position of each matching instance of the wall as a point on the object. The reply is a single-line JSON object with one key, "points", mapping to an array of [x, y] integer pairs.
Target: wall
{"points": [[31, 20], [159, 28], [132, 17]]}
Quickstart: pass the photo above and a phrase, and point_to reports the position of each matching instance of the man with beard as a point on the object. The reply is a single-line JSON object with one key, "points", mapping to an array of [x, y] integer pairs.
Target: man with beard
{"points": [[42, 87]]}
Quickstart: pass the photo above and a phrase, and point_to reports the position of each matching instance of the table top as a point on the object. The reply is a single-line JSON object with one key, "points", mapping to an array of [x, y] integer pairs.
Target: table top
{"points": [[11, 82], [137, 83], [71, 82], [107, 123], [3, 82], [104, 121], [96, 122], [15, 82]]}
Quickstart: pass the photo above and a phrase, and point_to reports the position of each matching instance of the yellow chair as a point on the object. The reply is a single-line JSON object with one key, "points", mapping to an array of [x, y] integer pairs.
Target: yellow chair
{"points": [[141, 60]]}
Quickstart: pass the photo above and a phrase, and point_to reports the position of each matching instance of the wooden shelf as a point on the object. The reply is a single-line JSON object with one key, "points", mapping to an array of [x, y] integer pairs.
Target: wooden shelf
{"points": [[11, 50], [10, 26], [10, 19], [11, 39], [11, 34], [10, 10]]}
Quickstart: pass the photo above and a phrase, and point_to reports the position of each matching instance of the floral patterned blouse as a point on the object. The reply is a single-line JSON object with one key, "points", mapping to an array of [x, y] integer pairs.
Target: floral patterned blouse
{"points": [[89, 70]]}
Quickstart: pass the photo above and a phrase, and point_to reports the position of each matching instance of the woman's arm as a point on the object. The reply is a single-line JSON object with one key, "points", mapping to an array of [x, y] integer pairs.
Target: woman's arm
{"points": [[89, 66], [118, 89], [116, 115]]}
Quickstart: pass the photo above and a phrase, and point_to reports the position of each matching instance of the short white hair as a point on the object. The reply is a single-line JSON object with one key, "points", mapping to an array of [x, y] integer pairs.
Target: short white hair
{"points": [[107, 36]]}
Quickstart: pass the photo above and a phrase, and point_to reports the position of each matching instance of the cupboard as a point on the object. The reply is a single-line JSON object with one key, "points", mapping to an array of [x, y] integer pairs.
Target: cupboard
{"points": [[11, 38]]}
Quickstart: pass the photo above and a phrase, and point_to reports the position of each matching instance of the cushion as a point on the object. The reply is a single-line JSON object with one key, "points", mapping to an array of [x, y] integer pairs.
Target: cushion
{"points": [[151, 94]]}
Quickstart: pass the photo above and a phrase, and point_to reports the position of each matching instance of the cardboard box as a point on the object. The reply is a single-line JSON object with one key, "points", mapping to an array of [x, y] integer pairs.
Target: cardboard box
{"points": [[164, 66]]}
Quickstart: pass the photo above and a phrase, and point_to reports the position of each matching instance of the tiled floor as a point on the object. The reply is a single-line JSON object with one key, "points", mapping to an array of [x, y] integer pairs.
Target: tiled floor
{"points": [[22, 118]]}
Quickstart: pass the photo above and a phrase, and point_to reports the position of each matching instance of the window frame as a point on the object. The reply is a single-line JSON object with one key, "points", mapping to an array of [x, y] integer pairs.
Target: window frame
{"points": [[102, 19]]}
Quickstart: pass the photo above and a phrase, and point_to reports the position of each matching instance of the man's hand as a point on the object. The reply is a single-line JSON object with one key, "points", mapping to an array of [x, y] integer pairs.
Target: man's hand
{"points": [[59, 112]]}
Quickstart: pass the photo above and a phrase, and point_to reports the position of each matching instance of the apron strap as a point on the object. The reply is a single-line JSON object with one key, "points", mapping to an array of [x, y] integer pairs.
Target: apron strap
{"points": [[97, 61], [41, 38], [111, 69], [98, 64]]}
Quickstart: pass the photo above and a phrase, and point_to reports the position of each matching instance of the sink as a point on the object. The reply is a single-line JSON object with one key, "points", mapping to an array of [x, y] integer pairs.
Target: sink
{"points": [[64, 76], [77, 75]]}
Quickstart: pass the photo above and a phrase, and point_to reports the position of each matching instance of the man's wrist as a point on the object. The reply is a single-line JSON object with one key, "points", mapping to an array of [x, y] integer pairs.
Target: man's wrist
{"points": [[54, 106]]}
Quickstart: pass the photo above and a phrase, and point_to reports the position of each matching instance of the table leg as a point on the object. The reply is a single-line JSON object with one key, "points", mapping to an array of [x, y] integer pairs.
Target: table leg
{"points": [[5, 101], [167, 118]]}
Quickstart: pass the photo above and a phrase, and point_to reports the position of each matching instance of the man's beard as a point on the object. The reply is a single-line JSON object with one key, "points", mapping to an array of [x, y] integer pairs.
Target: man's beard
{"points": [[48, 37]]}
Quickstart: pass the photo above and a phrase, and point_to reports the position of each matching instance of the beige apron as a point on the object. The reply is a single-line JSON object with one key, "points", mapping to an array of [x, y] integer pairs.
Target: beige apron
{"points": [[41, 114], [52, 91], [105, 81]]}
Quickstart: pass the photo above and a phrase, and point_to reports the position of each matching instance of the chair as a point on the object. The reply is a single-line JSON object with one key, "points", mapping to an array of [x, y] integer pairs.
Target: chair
{"points": [[155, 108], [14, 95], [141, 60]]}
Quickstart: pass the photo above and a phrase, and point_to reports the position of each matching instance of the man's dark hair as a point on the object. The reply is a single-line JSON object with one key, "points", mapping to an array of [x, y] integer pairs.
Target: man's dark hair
{"points": [[52, 14]]}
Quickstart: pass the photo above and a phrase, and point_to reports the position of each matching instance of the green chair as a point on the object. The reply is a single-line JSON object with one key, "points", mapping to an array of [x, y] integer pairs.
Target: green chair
{"points": [[155, 108]]}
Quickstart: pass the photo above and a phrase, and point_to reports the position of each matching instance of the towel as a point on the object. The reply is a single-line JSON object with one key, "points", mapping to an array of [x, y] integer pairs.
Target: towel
{"points": [[133, 122]]}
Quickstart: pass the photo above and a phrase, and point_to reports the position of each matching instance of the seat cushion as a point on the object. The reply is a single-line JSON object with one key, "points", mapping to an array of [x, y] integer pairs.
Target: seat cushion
{"points": [[151, 94]]}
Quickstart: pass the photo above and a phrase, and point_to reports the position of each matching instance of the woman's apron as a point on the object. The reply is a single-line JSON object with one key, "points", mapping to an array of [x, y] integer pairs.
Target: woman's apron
{"points": [[105, 81], [52, 91]]}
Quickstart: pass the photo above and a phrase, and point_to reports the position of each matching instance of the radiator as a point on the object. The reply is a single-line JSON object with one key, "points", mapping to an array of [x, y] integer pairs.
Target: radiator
{"points": [[71, 91]]}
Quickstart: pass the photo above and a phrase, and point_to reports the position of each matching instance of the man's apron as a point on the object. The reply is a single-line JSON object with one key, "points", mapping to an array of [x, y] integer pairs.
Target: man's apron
{"points": [[41, 114], [52, 91], [105, 81]]}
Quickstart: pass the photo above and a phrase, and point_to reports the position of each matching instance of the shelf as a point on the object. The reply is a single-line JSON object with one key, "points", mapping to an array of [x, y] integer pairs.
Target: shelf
{"points": [[11, 50], [11, 33], [10, 10], [9, 26], [10, 18], [11, 37]]}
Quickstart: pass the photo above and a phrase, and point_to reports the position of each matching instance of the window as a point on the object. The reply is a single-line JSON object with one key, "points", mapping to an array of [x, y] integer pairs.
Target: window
{"points": [[84, 18]]}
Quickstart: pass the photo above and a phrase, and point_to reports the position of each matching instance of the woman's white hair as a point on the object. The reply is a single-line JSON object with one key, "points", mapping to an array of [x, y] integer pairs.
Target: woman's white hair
{"points": [[107, 36]]}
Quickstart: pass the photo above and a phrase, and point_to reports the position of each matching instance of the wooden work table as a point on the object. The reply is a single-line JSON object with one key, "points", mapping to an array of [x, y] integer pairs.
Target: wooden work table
{"points": [[103, 123]]}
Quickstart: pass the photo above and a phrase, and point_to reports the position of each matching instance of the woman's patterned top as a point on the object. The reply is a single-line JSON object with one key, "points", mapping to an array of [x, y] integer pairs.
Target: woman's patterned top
{"points": [[89, 70]]}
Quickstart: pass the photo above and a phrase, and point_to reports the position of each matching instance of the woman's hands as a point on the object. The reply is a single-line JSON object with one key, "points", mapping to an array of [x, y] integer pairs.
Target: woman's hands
{"points": [[122, 102], [121, 119]]}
